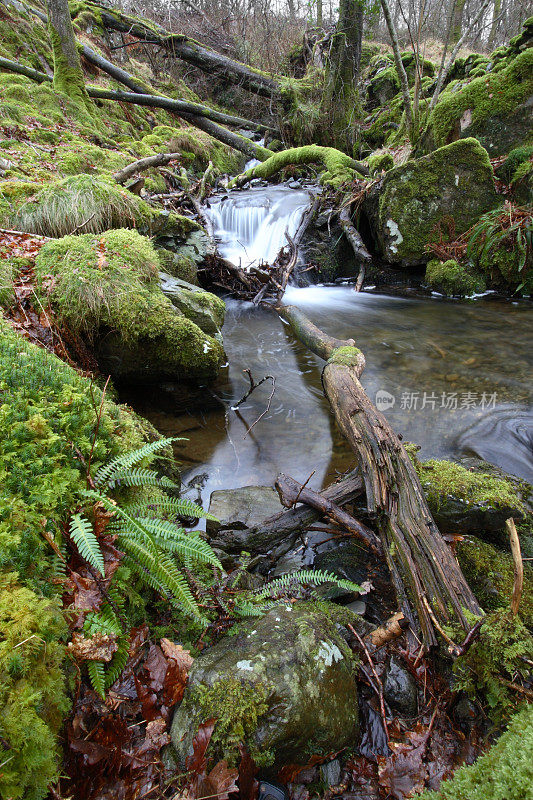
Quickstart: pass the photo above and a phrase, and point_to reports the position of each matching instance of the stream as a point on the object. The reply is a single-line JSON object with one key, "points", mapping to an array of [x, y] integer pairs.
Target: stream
{"points": [[453, 377]]}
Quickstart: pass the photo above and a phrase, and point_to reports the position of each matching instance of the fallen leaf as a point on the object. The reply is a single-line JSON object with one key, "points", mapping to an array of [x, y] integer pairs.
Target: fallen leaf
{"points": [[98, 647], [175, 651]]}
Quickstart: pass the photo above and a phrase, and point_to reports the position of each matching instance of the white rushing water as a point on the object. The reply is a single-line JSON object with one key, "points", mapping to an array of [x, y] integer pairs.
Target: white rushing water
{"points": [[250, 225]]}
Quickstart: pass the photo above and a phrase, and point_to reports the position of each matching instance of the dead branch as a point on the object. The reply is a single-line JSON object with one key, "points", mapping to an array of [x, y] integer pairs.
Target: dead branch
{"points": [[290, 492], [391, 629], [352, 234], [518, 584], [142, 164]]}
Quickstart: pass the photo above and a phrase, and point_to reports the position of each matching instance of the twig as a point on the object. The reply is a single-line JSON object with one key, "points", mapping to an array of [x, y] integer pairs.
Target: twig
{"points": [[452, 647], [376, 676], [98, 419], [253, 385], [82, 224], [302, 487], [518, 584], [471, 637], [517, 688], [267, 409]]}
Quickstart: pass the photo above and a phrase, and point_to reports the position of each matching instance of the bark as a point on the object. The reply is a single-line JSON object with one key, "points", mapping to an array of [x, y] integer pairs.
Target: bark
{"points": [[352, 234], [68, 73], [144, 163], [180, 46], [400, 69], [426, 576], [341, 100], [291, 492], [283, 528], [496, 8], [20, 69], [458, 20]]}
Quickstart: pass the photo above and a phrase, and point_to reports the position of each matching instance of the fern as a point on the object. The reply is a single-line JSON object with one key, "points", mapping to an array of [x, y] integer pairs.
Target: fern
{"points": [[169, 505], [124, 462], [82, 535], [138, 477], [298, 580], [96, 670]]}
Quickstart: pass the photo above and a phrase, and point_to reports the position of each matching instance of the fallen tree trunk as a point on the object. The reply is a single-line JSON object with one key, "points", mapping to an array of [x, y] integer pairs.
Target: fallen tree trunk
{"points": [[178, 45], [144, 163], [291, 492], [354, 237], [338, 164], [240, 143], [426, 576], [282, 529]]}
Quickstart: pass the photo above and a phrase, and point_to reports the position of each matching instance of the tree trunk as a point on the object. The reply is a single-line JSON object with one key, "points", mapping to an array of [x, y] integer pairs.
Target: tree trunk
{"points": [[400, 69], [68, 74], [496, 8], [458, 20], [341, 101], [178, 45], [428, 581]]}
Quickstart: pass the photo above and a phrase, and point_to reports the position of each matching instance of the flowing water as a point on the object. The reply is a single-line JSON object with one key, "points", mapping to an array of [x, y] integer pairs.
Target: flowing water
{"points": [[451, 376]]}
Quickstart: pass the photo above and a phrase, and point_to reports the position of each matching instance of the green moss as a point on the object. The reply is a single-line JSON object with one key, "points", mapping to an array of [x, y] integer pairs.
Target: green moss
{"points": [[179, 266], [348, 356], [380, 162], [517, 157], [339, 166], [491, 96], [451, 278], [505, 772], [33, 699], [441, 479], [237, 707], [415, 195], [7, 294], [490, 573], [110, 282]]}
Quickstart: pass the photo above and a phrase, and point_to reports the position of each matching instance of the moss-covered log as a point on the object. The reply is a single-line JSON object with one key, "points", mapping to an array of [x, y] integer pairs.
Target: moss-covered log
{"points": [[178, 45], [428, 581], [339, 166]]}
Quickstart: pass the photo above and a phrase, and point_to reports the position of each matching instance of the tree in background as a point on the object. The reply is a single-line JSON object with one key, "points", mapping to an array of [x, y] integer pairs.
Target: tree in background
{"points": [[68, 73]]}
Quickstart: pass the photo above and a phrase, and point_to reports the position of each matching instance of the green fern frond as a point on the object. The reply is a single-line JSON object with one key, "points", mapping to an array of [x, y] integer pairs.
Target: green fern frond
{"points": [[169, 505], [82, 534], [117, 664], [139, 477], [120, 514], [175, 539], [96, 672], [296, 580], [156, 565], [128, 460]]}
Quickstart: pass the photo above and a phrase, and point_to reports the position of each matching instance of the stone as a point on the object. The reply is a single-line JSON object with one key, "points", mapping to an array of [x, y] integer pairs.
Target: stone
{"points": [[206, 310], [410, 200], [238, 509], [399, 688], [331, 773], [299, 667]]}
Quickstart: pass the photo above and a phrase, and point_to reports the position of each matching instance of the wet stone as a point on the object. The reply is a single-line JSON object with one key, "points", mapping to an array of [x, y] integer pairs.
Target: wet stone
{"points": [[237, 509], [399, 689]]}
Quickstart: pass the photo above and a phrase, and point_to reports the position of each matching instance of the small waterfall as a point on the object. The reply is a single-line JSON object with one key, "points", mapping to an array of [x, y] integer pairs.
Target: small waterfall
{"points": [[250, 225]]}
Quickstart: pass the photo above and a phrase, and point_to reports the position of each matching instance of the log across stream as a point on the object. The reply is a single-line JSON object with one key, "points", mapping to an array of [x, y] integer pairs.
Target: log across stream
{"points": [[411, 346]]}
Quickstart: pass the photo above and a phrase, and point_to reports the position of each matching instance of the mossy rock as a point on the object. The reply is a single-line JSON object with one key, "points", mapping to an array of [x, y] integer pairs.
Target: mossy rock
{"points": [[292, 659], [203, 308], [494, 108], [380, 162], [406, 205], [106, 288], [451, 278], [505, 772], [477, 500], [490, 573], [522, 184]]}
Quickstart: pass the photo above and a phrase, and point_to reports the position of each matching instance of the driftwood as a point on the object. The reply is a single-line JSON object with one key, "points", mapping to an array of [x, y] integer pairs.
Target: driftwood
{"points": [[283, 528], [352, 234], [518, 583], [291, 492], [428, 581], [178, 45]]}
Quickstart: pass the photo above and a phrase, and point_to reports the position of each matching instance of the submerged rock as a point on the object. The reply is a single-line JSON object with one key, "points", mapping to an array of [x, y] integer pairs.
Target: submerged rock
{"points": [[238, 509], [405, 206], [291, 680]]}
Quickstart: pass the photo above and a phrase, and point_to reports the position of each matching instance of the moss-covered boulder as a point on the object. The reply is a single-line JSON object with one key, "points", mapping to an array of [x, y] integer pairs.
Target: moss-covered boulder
{"points": [[284, 684], [494, 108], [477, 499], [505, 772], [452, 278], [410, 200], [490, 573], [107, 290], [203, 308]]}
